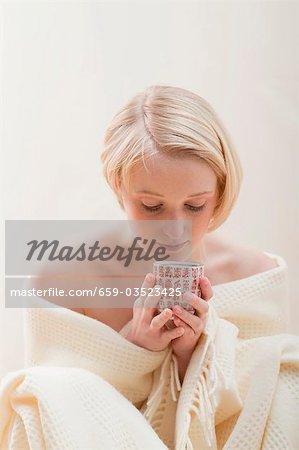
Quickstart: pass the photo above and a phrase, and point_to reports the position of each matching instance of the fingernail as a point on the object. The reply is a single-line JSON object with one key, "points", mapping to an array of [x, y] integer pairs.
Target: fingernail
{"points": [[168, 313], [178, 309]]}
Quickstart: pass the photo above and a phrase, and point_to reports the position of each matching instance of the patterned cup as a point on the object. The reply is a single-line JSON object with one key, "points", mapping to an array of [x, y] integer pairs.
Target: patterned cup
{"points": [[175, 278]]}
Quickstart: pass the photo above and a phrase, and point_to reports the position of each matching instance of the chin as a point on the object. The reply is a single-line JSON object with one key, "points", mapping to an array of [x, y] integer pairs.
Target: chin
{"points": [[185, 254]]}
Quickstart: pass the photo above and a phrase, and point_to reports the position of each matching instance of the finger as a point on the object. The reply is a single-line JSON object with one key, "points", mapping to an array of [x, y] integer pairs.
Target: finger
{"points": [[190, 319], [180, 323], [148, 282], [201, 306], [197, 331], [170, 335], [206, 288], [161, 319], [151, 302]]}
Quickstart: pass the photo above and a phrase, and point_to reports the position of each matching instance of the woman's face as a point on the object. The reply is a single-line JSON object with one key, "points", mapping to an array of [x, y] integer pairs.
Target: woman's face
{"points": [[176, 190]]}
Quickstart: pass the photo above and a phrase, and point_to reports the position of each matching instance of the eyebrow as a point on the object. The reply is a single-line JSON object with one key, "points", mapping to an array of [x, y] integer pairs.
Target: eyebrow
{"points": [[158, 195]]}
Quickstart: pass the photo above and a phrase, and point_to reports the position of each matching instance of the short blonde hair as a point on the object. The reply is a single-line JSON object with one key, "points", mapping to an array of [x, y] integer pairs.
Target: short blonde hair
{"points": [[178, 123]]}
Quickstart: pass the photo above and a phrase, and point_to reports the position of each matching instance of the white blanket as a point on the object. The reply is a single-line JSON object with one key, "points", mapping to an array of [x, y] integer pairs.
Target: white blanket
{"points": [[85, 386]]}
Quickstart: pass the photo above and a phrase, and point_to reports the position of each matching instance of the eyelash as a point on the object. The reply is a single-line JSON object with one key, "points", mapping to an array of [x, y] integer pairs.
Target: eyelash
{"points": [[153, 209]]}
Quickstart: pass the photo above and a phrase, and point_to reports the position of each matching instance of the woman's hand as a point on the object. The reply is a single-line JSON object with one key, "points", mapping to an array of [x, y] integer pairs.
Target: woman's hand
{"points": [[147, 329], [193, 324]]}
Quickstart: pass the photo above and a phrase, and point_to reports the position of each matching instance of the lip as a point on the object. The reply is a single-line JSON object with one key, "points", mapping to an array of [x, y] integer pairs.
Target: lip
{"points": [[173, 248]]}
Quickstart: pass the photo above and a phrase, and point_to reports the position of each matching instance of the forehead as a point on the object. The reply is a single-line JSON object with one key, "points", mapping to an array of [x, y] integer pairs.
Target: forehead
{"points": [[190, 174]]}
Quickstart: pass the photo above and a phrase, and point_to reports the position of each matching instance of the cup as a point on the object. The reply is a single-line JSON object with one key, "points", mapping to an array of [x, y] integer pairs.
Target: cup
{"points": [[175, 278]]}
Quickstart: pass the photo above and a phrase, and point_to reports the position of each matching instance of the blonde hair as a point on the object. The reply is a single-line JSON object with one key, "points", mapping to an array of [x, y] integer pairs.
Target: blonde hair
{"points": [[178, 123]]}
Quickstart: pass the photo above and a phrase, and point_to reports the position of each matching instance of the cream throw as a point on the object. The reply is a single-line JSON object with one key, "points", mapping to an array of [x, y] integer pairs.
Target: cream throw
{"points": [[84, 386]]}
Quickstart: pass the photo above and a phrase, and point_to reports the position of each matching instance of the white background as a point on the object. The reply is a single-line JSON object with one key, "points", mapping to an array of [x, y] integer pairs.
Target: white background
{"points": [[68, 67]]}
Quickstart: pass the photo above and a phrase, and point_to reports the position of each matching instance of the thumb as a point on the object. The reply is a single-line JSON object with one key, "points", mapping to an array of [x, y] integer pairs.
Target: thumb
{"points": [[206, 288]]}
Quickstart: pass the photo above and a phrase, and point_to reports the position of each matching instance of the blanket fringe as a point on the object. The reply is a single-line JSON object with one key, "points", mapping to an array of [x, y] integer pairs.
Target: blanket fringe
{"points": [[156, 395], [204, 401], [174, 377], [154, 399]]}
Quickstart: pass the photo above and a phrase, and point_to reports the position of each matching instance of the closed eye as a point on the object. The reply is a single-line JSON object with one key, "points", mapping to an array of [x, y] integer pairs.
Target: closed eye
{"points": [[158, 207], [196, 208]]}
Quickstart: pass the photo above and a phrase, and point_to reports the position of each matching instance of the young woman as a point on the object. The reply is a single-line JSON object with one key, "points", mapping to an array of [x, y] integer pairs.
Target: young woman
{"points": [[223, 378], [167, 156]]}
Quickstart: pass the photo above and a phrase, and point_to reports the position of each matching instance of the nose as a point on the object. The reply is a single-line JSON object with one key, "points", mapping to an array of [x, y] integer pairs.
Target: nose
{"points": [[174, 229]]}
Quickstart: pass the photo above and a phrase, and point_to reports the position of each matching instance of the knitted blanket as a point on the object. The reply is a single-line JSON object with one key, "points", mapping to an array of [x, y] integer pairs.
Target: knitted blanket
{"points": [[84, 386]]}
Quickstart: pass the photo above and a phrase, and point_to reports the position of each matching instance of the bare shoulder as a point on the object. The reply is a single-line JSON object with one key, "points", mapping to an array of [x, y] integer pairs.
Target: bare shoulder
{"points": [[114, 317], [248, 261], [236, 261]]}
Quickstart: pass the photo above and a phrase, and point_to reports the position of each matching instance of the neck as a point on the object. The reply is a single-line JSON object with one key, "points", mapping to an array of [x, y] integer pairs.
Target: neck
{"points": [[199, 253]]}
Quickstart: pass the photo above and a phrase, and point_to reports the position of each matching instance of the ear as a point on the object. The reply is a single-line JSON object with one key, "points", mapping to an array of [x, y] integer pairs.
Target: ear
{"points": [[118, 182], [118, 186], [210, 224]]}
